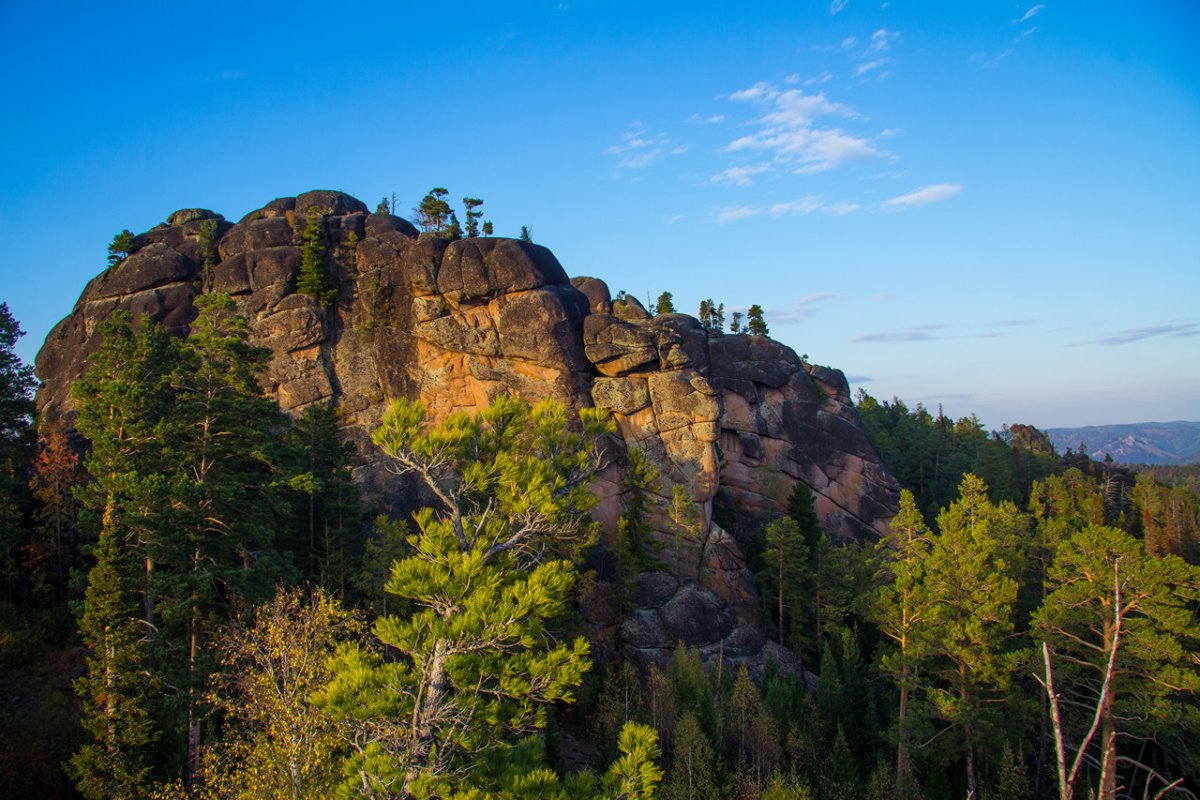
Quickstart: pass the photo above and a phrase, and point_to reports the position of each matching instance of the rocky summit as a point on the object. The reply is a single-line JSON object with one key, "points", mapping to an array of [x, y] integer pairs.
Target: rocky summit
{"points": [[736, 420]]}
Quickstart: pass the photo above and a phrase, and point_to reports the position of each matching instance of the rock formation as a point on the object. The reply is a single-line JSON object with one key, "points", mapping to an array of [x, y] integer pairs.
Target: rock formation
{"points": [[456, 323]]}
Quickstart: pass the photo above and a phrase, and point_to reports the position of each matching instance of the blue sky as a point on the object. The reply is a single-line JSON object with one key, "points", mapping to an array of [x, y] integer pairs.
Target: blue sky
{"points": [[991, 205]]}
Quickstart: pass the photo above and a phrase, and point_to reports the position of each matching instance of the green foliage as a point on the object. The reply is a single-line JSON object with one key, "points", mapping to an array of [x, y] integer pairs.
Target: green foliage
{"points": [[117, 690], [487, 227], [665, 304], [17, 443], [473, 215], [433, 213], [1156, 676], [314, 279], [784, 578], [712, 316], [383, 207], [209, 256], [120, 248], [692, 775], [474, 666], [638, 482], [526, 234], [735, 325], [277, 742], [187, 477], [755, 324]]}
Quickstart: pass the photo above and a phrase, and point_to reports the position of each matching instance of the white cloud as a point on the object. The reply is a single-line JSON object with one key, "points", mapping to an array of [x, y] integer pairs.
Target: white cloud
{"points": [[804, 205], [825, 77], [882, 39], [671, 220], [925, 195], [835, 6], [740, 175], [639, 149], [849, 42], [1030, 14], [787, 131], [734, 213], [800, 207], [887, 133], [714, 119], [867, 66]]}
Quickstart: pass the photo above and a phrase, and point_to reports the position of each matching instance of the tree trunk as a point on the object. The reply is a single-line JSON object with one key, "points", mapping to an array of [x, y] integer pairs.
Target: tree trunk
{"points": [[429, 709], [902, 737]]}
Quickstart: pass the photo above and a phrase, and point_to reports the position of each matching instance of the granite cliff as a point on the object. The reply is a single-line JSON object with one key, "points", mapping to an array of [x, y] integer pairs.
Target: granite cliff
{"points": [[731, 418]]}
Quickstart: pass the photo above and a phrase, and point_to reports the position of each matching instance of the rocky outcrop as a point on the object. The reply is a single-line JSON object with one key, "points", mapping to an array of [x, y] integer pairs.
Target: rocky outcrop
{"points": [[456, 323]]}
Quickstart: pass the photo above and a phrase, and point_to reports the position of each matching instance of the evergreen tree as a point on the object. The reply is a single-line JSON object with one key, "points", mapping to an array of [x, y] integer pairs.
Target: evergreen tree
{"points": [[785, 577], [383, 207], [665, 304], [686, 525], [473, 665], [526, 235], [433, 213], [735, 326], [17, 443], [901, 608], [473, 216], [120, 248], [209, 257], [453, 230], [115, 762], [692, 775], [314, 279], [487, 227], [1121, 631], [969, 578], [755, 324]]}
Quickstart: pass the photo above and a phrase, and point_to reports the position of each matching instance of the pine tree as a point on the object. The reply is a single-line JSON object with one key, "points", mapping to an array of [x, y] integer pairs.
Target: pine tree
{"points": [[665, 304], [314, 279], [473, 665], [115, 762], [383, 207], [487, 227], [902, 608], [526, 234], [209, 257], [735, 326], [17, 443], [53, 549], [120, 248], [433, 213], [755, 324], [784, 577], [1119, 626], [969, 578], [473, 216]]}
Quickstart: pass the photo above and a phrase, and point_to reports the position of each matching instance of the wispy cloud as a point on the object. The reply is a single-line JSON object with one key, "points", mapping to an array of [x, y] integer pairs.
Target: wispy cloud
{"points": [[639, 149], [1030, 14], [734, 213], [223, 75], [788, 132], [916, 333], [712, 119], [924, 196], [800, 207], [804, 308], [921, 333], [836, 6], [882, 39], [740, 175], [1131, 335], [867, 66]]}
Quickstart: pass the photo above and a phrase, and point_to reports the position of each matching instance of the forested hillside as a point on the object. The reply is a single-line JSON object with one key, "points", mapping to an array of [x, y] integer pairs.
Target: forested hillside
{"points": [[198, 603]]}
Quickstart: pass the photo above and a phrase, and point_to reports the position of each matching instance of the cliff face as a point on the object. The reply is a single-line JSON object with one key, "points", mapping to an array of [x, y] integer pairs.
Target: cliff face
{"points": [[457, 323]]}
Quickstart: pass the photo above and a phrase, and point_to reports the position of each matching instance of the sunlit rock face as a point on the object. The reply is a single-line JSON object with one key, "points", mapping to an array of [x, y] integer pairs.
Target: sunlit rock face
{"points": [[455, 323]]}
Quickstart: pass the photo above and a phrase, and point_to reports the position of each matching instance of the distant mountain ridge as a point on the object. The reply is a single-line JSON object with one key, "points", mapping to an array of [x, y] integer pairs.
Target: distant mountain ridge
{"points": [[1139, 443]]}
